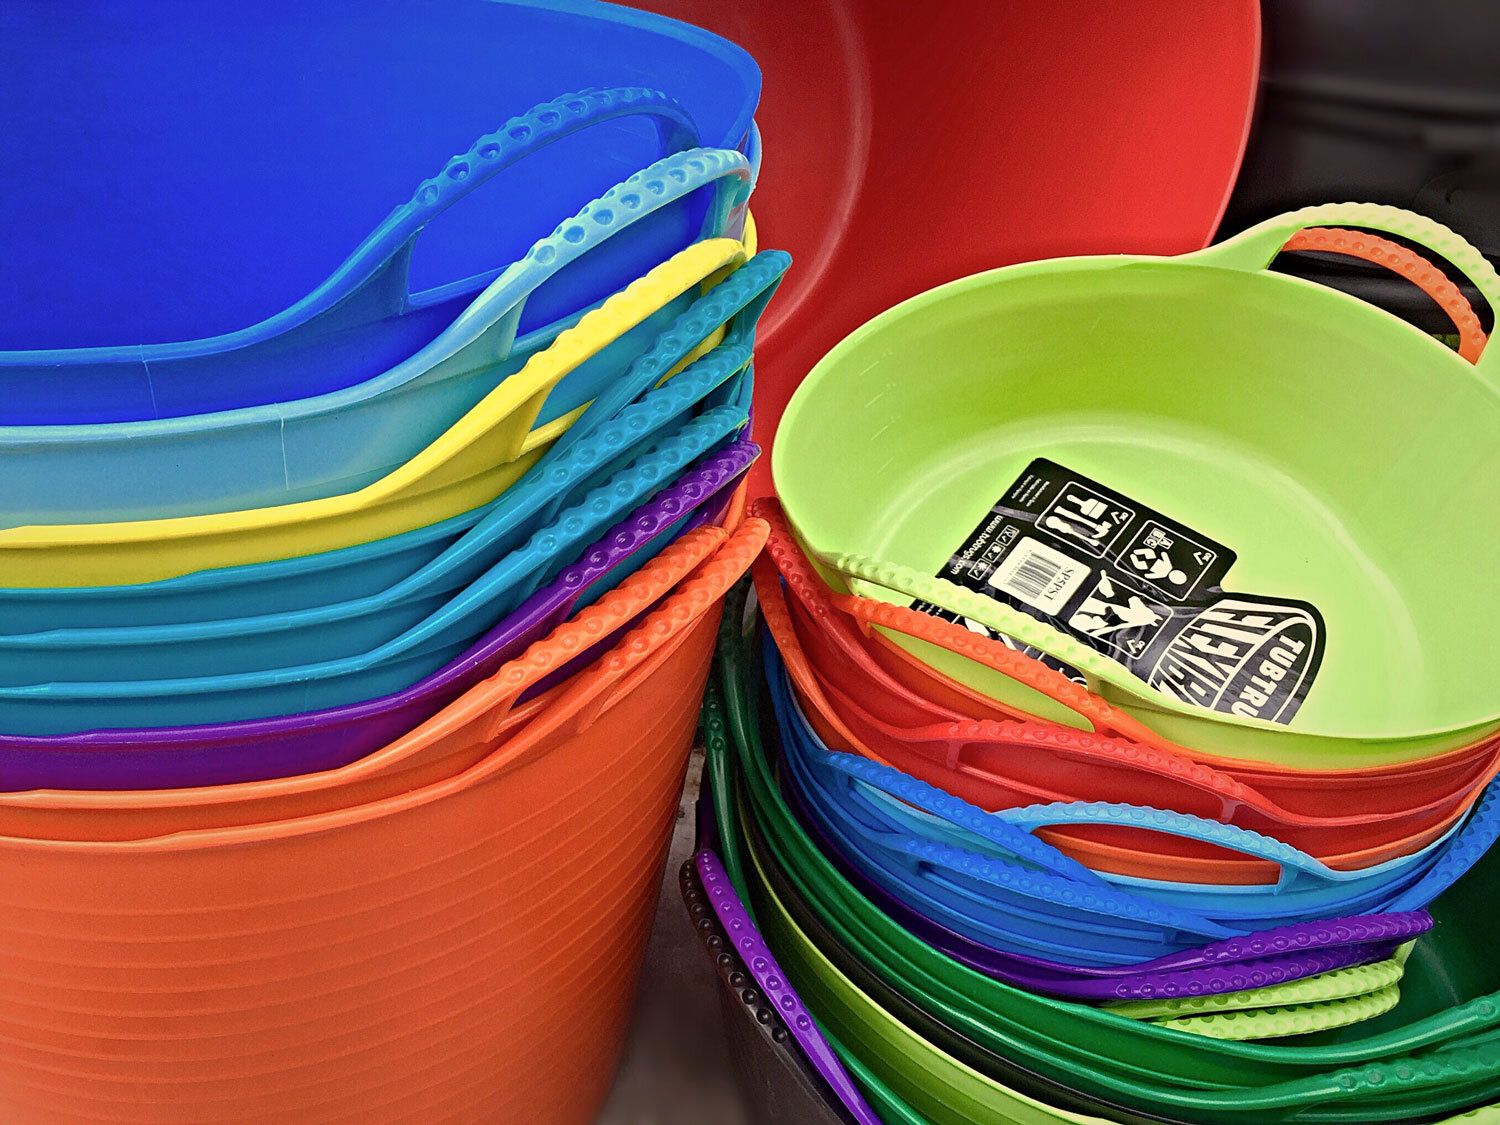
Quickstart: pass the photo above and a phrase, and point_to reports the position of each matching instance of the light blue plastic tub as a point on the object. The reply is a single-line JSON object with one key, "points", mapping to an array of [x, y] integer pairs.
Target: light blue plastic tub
{"points": [[287, 585], [441, 629], [343, 626], [339, 442]]}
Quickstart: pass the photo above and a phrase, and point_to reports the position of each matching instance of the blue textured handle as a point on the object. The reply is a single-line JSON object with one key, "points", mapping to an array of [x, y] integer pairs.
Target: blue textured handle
{"points": [[554, 546], [523, 136], [757, 957], [493, 316]]}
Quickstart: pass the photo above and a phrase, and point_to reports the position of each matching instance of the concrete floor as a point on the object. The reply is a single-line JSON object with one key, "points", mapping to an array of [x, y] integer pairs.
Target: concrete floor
{"points": [[676, 1067]]}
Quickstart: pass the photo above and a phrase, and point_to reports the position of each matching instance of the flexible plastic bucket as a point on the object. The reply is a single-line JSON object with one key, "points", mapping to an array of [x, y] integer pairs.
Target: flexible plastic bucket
{"points": [[419, 958], [559, 482], [978, 761], [988, 878], [1144, 420], [476, 458], [315, 742], [868, 105], [237, 234], [570, 463], [311, 448], [412, 759], [1065, 1104], [433, 633], [1445, 1005]]}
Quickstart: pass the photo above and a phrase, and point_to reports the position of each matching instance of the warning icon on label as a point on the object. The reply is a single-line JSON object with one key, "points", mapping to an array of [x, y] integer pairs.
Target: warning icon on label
{"points": [[1172, 562], [1119, 617]]}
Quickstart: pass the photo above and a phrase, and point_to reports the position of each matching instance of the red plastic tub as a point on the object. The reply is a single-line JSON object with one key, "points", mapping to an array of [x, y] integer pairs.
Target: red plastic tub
{"points": [[911, 144]]}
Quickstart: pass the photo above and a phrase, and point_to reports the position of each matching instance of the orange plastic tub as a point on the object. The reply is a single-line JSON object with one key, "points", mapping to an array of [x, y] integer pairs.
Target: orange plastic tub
{"points": [[464, 952]]}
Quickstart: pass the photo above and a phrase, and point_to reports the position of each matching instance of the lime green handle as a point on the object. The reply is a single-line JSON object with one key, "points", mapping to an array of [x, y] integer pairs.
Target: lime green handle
{"points": [[1255, 248], [1002, 618]]}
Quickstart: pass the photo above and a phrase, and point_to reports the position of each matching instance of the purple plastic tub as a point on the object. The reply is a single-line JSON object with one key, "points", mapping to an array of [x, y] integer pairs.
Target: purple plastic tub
{"points": [[287, 746], [1274, 956]]}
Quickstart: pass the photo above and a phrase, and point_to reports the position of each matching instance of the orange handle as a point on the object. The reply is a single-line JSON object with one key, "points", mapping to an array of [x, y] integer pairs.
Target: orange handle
{"points": [[632, 597], [1410, 265], [589, 694]]}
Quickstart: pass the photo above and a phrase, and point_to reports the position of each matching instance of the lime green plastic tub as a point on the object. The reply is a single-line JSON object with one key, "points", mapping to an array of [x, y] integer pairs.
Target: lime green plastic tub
{"points": [[1203, 425]]}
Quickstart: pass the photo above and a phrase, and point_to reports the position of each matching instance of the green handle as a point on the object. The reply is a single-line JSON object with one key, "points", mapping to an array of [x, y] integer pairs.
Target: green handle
{"points": [[1255, 248], [1002, 618]]}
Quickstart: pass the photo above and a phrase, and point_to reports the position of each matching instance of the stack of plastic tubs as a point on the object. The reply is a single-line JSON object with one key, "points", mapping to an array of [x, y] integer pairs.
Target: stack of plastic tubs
{"points": [[360, 559]]}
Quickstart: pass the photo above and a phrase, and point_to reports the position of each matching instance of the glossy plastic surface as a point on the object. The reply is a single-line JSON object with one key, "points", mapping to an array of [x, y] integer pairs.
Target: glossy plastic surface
{"points": [[1272, 962], [417, 642], [740, 928], [341, 626], [288, 585], [859, 93], [1001, 763], [406, 760], [779, 1083], [245, 221], [479, 456], [896, 813], [309, 448], [318, 1007], [1167, 321], [1445, 1003]]}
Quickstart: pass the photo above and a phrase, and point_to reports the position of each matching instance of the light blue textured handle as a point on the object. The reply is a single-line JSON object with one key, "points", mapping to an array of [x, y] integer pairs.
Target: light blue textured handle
{"points": [[374, 280], [528, 133], [623, 205], [554, 546], [1298, 869], [742, 297]]}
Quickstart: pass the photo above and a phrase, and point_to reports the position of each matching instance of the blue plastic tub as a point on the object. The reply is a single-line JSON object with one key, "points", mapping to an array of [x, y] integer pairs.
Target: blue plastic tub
{"points": [[212, 205], [334, 443], [433, 631]]}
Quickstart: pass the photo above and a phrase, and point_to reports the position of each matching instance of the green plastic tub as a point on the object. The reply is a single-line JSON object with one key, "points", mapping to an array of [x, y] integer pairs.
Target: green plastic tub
{"points": [[1255, 512], [1448, 1014]]}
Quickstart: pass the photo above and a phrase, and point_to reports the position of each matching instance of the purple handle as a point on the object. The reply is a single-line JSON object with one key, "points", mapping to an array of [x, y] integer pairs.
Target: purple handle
{"points": [[1274, 956], [762, 965], [687, 498]]}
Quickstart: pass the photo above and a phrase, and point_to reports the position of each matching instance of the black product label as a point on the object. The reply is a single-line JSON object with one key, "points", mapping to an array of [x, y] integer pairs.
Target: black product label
{"points": [[1141, 588]]}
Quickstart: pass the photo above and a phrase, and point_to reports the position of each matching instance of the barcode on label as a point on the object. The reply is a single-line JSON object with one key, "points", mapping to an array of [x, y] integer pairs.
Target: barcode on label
{"points": [[1039, 576]]}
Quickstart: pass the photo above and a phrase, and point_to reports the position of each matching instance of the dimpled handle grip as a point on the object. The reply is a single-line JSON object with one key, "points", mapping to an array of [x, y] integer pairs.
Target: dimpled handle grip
{"points": [[908, 583], [1298, 869], [536, 129], [762, 964], [794, 565], [1477, 836], [1294, 1019], [1321, 988], [1255, 248], [586, 696], [648, 521], [959, 813], [1415, 268], [745, 291], [928, 858]]}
